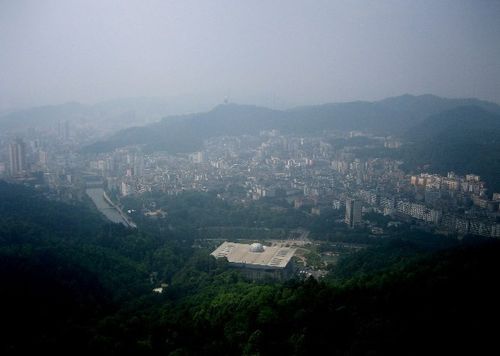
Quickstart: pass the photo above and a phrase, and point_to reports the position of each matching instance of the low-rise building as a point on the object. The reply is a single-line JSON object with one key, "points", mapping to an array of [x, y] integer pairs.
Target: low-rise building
{"points": [[257, 261]]}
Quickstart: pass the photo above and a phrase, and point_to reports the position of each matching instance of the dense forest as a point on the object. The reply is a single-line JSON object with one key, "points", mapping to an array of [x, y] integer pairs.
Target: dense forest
{"points": [[73, 283]]}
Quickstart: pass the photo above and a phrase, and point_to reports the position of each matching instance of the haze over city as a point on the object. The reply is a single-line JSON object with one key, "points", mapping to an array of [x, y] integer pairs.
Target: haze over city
{"points": [[272, 53], [249, 177]]}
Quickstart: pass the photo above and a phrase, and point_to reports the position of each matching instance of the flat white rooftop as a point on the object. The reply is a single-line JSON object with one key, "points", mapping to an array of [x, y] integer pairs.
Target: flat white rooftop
{"points": [[255, 254]]}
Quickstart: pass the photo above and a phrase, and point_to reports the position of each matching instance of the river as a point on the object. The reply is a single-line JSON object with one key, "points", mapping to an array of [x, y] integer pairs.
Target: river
{"points": [[97, 196]]}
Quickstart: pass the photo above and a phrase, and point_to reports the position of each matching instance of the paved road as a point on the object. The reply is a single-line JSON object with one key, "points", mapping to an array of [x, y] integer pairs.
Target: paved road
{"points": [[111, 213]]}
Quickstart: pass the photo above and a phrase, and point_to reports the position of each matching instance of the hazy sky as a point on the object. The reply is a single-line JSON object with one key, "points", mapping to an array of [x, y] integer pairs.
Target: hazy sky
{"points": [[299, 51]]}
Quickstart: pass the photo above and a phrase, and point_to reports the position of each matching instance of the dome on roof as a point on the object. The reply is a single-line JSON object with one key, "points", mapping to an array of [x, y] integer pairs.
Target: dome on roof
{"points": [[256, 247]]}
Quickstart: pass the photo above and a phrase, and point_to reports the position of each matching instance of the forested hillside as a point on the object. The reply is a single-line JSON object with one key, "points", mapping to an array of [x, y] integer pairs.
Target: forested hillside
{"points": [[464, 140], [392, 116], [75, 284]]}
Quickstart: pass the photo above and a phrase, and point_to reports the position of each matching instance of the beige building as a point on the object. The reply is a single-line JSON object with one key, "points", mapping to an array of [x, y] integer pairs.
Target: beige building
{"points": [[257, 261]]}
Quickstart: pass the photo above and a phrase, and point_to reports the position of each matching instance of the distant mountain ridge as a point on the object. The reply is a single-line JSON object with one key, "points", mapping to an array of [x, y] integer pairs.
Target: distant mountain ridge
{"points": [[465, 139], [111, 115], [391, 116], [460, 121]]}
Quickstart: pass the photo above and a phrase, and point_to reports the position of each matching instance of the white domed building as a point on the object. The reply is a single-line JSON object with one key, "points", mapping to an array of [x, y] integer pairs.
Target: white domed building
{"points": [[257, 261], [256, 247]]}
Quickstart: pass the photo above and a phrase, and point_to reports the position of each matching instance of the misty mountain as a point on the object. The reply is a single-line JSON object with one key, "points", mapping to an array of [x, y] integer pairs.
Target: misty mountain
{"points": [[185, 133], [392, 116], [388, 116], [467, 122], [426, 105], [111, 115], [43, 116], [465, 139]]}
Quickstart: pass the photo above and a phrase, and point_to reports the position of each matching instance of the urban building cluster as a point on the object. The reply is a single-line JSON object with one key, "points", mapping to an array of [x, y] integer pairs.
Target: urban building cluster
{"points": [[315, 173]]}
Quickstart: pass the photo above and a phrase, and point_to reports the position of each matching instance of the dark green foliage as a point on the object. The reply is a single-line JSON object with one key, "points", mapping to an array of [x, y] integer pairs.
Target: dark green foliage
{"points": [[406, 310], [190, 211], [88, 291], [63, 269], [25, 205], [403, 247], [49, 303]]}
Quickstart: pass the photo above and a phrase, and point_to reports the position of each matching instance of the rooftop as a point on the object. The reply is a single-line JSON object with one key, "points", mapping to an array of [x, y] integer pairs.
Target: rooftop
{"points": [[255, 254]]}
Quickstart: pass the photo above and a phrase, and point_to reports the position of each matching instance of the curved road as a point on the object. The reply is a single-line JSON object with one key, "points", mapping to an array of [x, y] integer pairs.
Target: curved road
{"points": [[110, 212]]}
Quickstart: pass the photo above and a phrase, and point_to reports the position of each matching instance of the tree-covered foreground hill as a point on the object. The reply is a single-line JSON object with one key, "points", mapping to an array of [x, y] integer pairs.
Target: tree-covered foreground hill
{"points": [[72, 283]]}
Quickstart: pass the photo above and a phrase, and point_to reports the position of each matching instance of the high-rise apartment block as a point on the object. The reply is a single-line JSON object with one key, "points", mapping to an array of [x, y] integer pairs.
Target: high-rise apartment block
{"points": [[352, 212], [17, 157]]}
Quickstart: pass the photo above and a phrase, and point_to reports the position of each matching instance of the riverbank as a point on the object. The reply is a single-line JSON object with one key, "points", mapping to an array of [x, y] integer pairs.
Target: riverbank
{"points": [[104, 204]]}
